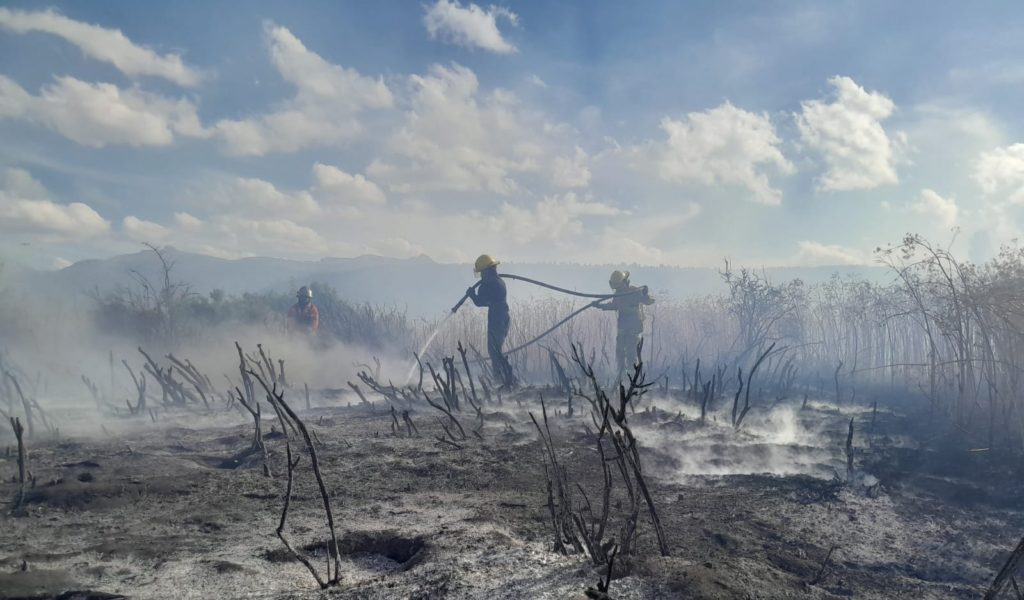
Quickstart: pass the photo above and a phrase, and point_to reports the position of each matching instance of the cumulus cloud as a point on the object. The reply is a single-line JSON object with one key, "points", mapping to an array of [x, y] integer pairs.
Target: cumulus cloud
{"points": [[187, 221], [325, 110], [537, 81], [242, 216], [25, 207], [397, 247], [571, 172], [247, 216], [818, 254], [941, 124], [281, 232], [338, 187], [144, 231], [722, 145], [456, 138], [98, 114], [848, 134], [250, 196], [554, 217], [613, 247], [100, 43], [236, 234], [1001, 171], [469, 26], [933, 206]]}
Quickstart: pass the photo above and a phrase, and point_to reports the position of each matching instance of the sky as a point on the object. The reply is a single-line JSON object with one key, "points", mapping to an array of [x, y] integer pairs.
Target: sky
{"points": [[656, 133]]}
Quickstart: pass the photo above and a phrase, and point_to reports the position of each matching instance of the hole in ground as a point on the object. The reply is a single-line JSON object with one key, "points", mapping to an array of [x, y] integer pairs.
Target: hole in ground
{"points": [[373, 550]]}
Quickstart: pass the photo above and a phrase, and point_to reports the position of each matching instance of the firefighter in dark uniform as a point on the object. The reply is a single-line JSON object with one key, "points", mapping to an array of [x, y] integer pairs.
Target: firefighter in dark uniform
{"points": [[491, 293], [628, 303]]}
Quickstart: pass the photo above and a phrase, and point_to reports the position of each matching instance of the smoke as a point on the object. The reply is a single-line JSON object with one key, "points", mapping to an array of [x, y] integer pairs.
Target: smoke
{"points": [[52, 345], [779, 440]]}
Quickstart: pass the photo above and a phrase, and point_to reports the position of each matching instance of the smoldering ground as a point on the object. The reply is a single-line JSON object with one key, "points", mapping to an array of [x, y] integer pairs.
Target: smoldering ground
{"points": [[154, 509], [830, 475]]}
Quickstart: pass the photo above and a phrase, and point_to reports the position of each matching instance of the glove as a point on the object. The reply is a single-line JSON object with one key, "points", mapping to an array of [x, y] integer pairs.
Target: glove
{"points": [[644, 288], [469, 291]]}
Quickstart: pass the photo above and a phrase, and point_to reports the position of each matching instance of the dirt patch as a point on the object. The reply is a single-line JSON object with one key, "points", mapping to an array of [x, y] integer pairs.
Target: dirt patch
{"points": [[148, 549], [226, 566], [81, 494], [35, 584]]}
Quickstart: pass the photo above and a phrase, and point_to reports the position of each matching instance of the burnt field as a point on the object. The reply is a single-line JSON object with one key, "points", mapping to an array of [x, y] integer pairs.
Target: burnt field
{"points": [[842, 440], [190, 503]]}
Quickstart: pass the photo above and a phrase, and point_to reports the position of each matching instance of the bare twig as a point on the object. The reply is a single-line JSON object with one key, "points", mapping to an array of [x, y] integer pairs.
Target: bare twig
{"points": [[284, 519], [823, 571], [1010, 567], [22, 460]]}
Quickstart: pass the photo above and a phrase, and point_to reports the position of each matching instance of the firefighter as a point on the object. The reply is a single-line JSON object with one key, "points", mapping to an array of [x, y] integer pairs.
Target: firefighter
{"points": [[303, 316], [628, 303], [491, 292]]}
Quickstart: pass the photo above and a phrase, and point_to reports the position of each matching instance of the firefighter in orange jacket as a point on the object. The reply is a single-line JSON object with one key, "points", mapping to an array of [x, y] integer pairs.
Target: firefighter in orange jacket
{"points": [[303, 316]]}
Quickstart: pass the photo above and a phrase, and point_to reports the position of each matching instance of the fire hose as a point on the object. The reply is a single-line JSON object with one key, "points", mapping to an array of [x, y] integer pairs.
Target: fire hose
{"points": [[600, 298]]}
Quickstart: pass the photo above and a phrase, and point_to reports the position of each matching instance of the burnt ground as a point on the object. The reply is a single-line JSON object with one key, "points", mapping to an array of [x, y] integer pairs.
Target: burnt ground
{"points": [[177, 509]]}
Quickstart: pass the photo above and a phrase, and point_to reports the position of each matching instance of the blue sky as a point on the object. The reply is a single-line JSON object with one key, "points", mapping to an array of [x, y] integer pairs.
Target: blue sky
{"points": [[796, 133]]}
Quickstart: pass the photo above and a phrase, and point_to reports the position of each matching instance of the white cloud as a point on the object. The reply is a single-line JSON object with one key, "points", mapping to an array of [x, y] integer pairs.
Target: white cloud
{"points": [[243, 217], [144, 231], [252, 196], [324, 111], [280, 231], [15, 102], [571, 172], [20, 183], [553, 218], [1001, 171], [469, 26], [615, 248], [722, 145], [456, 138], [100, 43], [98, 114], [848, 133], [398, 247], [818, 254], [940, 124], [338, 187], [188, 222], [236, 234], [25, 207], [933, 206], [996, 73]]}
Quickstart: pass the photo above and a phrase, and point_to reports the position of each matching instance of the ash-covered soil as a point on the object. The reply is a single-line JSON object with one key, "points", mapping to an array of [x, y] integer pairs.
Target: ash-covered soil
{"points": [[180, 509]]}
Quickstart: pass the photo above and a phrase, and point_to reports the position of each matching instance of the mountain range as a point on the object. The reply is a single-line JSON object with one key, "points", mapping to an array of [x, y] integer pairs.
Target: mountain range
{"points": [[420, 285]]}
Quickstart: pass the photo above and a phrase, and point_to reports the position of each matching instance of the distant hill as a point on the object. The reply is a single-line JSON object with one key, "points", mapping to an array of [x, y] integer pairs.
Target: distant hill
{"points": [[419, 284]]}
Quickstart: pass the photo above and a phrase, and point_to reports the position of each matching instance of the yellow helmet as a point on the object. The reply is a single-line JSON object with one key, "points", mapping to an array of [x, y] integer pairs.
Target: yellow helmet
{"points": [[617, 279], [484, 262]]}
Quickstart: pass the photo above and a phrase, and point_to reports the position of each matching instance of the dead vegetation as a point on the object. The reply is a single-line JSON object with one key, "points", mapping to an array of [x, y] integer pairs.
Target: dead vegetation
{"points": [[855, 353], [289, 419]]}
